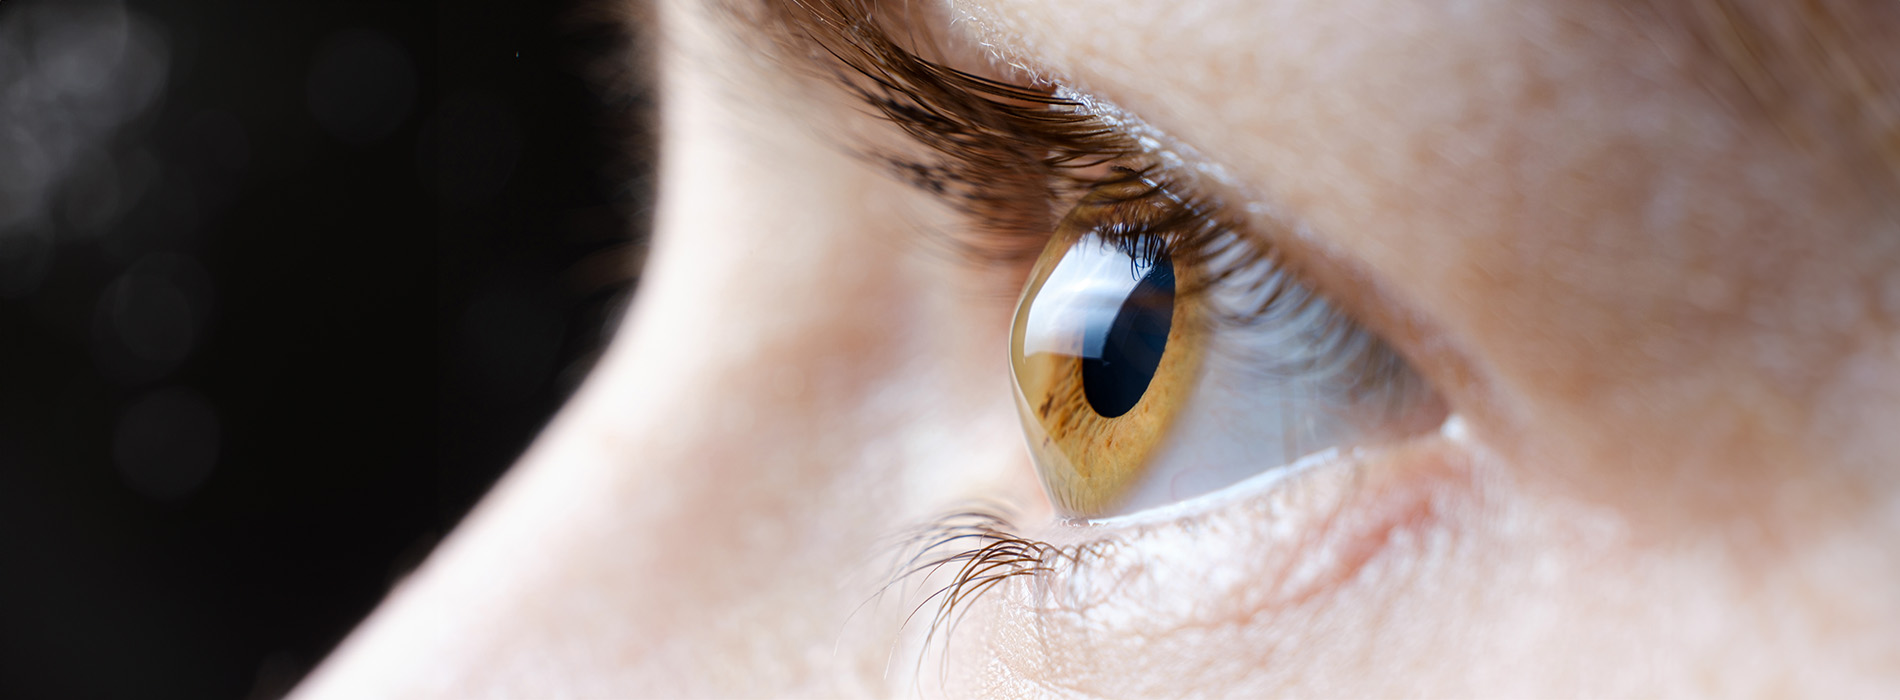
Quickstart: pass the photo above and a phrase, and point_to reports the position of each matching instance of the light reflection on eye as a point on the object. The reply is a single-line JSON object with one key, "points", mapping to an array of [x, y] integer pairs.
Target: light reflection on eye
{"points": [[1149, 369]]}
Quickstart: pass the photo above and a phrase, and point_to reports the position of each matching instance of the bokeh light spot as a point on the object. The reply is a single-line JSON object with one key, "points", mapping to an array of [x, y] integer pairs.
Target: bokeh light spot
{"points": [[147, 321], [72, 76]]}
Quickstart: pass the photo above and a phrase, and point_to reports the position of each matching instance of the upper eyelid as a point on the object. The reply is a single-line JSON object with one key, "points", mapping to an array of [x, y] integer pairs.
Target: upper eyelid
{"points": [[959, 113], [1190, 169], [925, 98], [1177, 160], [1166, 158], [1217, 196], [1298, 247], [1444, 357]]}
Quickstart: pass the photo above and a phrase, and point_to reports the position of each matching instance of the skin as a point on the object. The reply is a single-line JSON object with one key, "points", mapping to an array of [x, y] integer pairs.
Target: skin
{"points": [[1667, 323]]}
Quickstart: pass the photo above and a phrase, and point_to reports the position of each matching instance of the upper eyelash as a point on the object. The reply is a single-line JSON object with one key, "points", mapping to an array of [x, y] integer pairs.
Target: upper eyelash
{"points": [[1194, 234], [1010, 155], [997, 144], [1007, 154]]}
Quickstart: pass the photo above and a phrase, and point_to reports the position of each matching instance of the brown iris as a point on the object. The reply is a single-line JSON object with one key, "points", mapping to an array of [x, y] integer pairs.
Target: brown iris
{"points": [[1104, 348]]}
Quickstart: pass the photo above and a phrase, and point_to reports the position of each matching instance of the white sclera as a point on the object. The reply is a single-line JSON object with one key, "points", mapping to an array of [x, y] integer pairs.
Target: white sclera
{"points": [[1240, 422], [1270, 390]]}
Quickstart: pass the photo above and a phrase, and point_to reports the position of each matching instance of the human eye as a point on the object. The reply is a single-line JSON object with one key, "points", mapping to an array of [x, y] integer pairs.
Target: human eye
{"points": [[1210, 401], [1165, 347], [1159, 353]]}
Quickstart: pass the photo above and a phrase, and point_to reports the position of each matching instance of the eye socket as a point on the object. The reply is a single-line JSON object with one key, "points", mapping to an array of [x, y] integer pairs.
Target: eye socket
{"points": [[1158, 356]]}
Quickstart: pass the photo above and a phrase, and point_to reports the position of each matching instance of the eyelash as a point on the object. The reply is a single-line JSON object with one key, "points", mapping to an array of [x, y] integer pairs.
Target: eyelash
{"points": [[984, 550], [1193, 233], [1014, 159]]}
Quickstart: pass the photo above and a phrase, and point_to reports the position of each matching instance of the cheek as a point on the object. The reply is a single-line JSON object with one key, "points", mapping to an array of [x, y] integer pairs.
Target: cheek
{"points": [[1257, 595], [1419, 573]]}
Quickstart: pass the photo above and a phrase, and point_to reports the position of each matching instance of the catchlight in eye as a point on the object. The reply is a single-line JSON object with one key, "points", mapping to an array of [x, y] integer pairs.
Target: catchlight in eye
{"points": [[1104, 353]]}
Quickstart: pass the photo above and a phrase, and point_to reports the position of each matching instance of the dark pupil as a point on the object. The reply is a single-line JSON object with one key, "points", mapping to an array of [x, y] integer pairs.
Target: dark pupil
{"points": [[1114, 382]]}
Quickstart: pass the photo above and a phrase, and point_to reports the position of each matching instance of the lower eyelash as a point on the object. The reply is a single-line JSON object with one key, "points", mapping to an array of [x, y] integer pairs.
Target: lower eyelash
{"points": [[982, 550]]}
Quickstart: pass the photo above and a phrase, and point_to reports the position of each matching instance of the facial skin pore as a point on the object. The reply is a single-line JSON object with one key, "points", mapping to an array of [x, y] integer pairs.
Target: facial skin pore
{"points": [[1664, 310]]}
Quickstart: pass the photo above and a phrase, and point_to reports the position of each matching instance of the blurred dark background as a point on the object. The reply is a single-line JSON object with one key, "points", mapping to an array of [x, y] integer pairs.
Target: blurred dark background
{"points": [[284, 287]]}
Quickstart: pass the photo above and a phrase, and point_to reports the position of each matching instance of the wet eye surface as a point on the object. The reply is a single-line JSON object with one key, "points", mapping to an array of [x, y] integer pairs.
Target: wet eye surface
{"points": [[1102, 349], [1159, 356]]}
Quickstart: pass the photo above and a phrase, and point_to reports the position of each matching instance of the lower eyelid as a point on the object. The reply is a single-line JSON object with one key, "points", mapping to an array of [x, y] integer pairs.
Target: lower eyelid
{"points": [[1257, 556]]}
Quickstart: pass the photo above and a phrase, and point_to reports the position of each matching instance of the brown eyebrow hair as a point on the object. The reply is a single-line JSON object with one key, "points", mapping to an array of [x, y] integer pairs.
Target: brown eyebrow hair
{"points": [[1826, 73]]}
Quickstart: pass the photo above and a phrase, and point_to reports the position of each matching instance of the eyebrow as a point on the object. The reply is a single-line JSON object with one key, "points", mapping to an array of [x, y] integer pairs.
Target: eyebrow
{"points": [[1826, 74]]}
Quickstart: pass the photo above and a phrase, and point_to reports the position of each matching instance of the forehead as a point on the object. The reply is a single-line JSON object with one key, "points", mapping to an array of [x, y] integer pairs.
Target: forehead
{"points": [[1824, 72]]}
